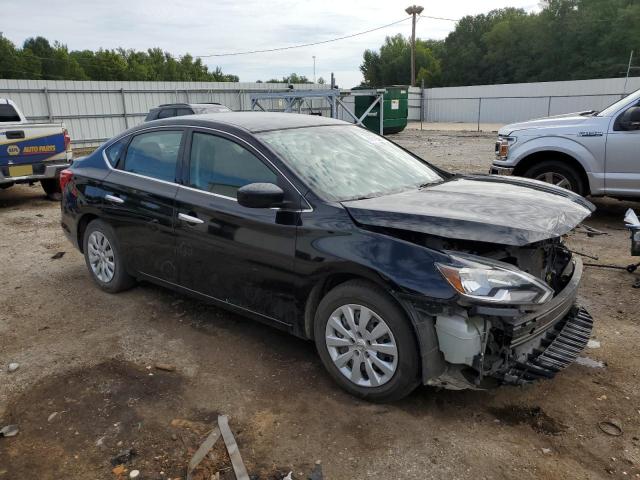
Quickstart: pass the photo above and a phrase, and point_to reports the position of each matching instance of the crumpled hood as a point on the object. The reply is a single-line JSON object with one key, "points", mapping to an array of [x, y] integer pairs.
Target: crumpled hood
{"points": [[546, 122], [507, 211]]}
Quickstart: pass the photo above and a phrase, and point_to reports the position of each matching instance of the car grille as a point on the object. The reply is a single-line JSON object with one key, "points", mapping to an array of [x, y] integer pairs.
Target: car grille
{"points": [[558, 349]]}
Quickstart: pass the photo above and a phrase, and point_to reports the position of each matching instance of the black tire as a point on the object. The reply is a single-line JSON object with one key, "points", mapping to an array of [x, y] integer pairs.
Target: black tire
{"points": [[51, 187], [406, 376], [120, 279], [558, 167]]}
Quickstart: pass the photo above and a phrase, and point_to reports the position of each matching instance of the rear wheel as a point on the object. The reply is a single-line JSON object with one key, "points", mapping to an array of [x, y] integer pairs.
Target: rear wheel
{"points": [[366, 342], [103, 258], [559, 174], [51, 187]]}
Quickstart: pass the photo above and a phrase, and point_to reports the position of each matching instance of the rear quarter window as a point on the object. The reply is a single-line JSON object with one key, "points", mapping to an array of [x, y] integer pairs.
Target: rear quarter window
{"points": [[8, 113], [114, 152]]}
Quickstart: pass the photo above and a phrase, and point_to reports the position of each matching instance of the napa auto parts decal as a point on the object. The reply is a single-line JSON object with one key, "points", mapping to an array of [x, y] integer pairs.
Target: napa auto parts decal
{"points": [[33, 149]]}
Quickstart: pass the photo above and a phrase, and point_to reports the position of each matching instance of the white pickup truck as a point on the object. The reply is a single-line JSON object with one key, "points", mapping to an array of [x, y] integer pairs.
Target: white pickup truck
{"points": [[31, 152], [591, 153]]}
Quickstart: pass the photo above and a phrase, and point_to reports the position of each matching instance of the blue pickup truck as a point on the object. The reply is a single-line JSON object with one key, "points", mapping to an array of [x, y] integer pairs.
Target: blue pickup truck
{"points": [[31, 152]]}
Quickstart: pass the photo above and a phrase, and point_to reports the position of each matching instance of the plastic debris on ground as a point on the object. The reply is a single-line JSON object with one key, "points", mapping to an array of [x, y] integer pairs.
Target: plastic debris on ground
{"points": [[9, 431]]}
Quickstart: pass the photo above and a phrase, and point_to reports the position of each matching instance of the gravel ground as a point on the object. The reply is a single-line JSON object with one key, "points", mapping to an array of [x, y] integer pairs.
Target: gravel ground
{"points": [[90, 357]]}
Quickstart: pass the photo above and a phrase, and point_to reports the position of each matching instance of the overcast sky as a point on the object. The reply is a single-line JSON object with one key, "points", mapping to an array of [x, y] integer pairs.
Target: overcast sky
{"points": [[221, 26]]}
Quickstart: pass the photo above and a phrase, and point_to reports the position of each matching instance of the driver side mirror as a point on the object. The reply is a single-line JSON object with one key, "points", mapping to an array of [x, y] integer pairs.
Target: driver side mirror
{"points": [[630, 119], [260, 195]]}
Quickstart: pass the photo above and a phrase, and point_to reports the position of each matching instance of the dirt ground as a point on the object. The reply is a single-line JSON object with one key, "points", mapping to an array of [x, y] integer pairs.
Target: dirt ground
{"points": [[90, 357]]}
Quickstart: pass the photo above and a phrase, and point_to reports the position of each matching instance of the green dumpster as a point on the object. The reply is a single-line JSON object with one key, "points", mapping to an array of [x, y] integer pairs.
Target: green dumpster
{"points": [[396, 109]]}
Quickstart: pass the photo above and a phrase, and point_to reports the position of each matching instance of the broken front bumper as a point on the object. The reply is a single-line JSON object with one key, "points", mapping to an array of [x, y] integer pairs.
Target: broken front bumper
{"points": [[557, 350], [545, 342]]}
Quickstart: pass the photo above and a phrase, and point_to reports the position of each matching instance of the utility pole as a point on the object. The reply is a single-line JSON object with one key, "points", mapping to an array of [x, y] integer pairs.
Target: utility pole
{"points": [[413, 10], [314, 69]]}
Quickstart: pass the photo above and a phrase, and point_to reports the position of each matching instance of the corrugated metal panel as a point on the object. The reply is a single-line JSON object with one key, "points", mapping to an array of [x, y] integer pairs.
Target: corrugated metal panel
{"points": [[94, 110], [521, 101]]}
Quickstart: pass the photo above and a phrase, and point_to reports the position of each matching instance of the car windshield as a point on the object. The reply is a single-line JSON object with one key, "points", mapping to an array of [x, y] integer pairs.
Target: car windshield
{"points": [[611, 109], [346, 162]]}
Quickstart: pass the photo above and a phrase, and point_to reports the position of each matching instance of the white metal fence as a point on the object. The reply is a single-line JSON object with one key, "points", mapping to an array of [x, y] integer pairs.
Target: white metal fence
{"points": [[95, 111], [501, 104]]}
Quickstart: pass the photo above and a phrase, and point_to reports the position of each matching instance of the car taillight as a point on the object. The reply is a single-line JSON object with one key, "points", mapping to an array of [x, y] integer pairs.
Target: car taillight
{"points": [[67, 140], [65, 177]]}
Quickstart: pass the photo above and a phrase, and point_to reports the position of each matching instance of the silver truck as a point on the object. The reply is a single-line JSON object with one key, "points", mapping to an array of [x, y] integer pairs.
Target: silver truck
{"points": [[590, 153], [31, 152]]}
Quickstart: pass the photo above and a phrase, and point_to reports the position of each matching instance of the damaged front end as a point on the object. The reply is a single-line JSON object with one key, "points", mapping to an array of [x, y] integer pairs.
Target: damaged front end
{"points": [[514, 326], [514, 318]]}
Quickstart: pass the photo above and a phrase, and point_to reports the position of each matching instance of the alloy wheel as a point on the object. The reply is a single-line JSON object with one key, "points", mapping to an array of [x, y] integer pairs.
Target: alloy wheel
{"points": [[361, 345], [555, 179], [101, 257]]}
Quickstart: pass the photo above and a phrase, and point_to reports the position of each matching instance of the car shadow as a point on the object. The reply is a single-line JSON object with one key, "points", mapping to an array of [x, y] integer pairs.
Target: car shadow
{"points": [[19, 195]]}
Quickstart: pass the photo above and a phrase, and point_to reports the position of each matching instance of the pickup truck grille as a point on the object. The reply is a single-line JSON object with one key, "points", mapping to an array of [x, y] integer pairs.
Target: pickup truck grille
{"points": [[560, 347]]}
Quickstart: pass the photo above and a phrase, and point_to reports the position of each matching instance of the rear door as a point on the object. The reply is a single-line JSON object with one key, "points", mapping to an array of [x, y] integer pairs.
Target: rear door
{"points": [[242, 256], [139, 201], [622, 168]]}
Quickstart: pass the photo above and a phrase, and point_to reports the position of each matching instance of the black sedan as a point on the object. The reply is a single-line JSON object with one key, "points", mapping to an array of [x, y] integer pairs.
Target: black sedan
{"points": [[400, 272]]}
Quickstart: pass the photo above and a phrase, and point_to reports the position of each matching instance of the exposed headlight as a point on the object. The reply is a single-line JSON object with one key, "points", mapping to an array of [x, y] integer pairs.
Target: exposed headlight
{"points": [[494, 282]]}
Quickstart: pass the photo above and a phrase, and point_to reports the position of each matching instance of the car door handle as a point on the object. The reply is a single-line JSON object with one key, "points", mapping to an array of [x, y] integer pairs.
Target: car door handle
{"points": [[114, 199], [189, 219]]}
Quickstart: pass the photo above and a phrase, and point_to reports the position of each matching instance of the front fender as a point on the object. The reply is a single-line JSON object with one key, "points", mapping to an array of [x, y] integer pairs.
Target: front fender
{"points": [[404, 266], [590, 159], [406, 270], [567, 146]]}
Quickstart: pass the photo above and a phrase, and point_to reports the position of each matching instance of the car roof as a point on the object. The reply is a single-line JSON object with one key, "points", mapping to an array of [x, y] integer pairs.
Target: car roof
{"points": [[253, 121], [182, 104]]}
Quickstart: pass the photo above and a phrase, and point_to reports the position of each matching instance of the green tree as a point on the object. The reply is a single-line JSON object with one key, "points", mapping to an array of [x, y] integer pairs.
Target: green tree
{"points": [[566, 40], [39, 58], [293, 78], [9, 59], [392, 65]]}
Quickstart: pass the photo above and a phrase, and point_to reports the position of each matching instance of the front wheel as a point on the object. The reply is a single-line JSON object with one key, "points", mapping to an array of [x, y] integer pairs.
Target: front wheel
{"points": [[103, 258], [559, 174], [366, 342]]}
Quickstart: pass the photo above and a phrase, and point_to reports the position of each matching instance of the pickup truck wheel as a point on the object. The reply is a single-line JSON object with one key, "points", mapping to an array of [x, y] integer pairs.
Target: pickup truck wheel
{"points": [[558, 173], [103, 258], [366, 342], [51, 187]]}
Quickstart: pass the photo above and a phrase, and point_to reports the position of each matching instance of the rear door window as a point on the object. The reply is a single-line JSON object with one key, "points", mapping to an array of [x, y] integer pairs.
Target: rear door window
{"points": [[154, 154], [8, 113], [220, 166], [184, 111]]}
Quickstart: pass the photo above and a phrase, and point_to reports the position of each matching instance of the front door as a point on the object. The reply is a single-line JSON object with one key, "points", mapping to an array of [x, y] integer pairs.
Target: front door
{"points": [[139, 202], [622, 168], [238, 255]]}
